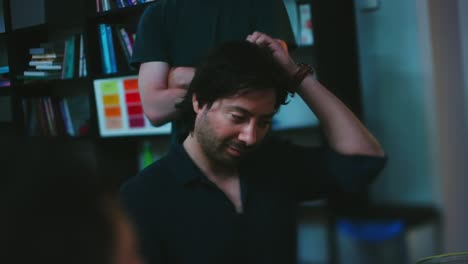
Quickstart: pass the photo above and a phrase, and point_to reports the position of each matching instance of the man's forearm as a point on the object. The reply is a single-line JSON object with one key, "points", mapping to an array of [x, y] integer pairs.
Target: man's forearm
{"points": [[180, 77], [161, 88], [344, 131], [159, 105]]}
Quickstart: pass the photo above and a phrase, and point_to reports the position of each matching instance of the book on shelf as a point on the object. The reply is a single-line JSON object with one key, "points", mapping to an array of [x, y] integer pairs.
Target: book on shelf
{"points": [[111, 47], [74, 63], [105, 54], [49, 67], [5, 82], [65, 111], [115, 47], [47, 116], [132, 2], [35, 51], [68, 68], [35, 117], [120, 3], [34, 73], [126, 45], [123, 45], [47, 48], [106, 5], [38, 62], [29, 115], [47, 56], [81, 58], [128, 37], [4, 69], [4, 79]]}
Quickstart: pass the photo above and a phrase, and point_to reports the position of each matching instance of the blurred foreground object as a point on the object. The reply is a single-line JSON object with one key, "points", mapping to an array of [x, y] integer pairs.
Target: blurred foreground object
{"points": [[451, 258]]}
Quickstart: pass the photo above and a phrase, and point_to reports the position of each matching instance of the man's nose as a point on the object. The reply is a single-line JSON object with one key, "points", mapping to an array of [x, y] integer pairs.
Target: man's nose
{"points": [[248, 134]]}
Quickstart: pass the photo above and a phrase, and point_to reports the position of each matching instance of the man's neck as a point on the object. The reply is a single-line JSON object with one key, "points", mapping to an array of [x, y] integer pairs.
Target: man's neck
{"points": [[213, 170], [225, 177]]}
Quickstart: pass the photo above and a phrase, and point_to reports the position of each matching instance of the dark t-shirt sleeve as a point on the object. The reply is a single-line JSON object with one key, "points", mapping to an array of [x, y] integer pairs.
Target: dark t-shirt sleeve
{"points": [[151, 41], [316, 172], [272, 18]]}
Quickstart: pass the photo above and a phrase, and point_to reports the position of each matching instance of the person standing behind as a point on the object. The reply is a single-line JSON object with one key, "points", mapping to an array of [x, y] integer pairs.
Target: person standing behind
{"points": [[228, 193], [173, 35]]}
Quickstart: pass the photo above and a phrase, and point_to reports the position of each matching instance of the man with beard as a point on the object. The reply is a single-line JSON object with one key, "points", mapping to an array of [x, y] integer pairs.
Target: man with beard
{"points": [[227, 194], [173, 35]]}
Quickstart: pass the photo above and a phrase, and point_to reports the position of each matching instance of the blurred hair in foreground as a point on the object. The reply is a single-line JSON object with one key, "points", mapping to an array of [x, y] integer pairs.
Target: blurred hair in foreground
{"points": [[54, 211]]}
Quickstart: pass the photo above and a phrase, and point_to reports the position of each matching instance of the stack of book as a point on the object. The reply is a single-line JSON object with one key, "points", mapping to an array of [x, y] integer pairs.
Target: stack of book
{"points": [[46, 61], [58, 60]]}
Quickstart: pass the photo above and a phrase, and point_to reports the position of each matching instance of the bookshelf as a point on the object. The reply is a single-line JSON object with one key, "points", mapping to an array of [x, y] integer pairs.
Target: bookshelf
{"points": [[54, 102], [57, 109], [111, 36], [110, 28]]}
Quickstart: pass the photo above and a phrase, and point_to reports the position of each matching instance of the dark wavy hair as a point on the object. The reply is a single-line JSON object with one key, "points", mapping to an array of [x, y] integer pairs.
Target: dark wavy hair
{"points": [[230, 69]]}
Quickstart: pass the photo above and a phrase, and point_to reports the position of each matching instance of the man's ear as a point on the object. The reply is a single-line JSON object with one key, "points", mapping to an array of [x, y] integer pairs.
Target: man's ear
{"points": [[195, 104]]}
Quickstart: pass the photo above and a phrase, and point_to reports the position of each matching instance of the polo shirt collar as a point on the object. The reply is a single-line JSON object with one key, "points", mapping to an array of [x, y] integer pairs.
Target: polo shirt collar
{"points": [[182, 166], [186, 171]]}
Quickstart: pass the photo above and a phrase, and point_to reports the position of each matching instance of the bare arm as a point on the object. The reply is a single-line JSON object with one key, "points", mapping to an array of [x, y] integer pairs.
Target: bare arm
{"points": [[161, 88], [343, 130]]}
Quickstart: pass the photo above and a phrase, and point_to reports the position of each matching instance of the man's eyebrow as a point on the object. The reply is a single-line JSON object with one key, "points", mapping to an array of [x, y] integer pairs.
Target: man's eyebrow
{"points": [[246, 112]]}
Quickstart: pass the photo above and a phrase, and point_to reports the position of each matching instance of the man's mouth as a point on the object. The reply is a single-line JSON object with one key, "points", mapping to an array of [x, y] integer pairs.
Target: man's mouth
{"points": [[238, 149], [235, 151]]}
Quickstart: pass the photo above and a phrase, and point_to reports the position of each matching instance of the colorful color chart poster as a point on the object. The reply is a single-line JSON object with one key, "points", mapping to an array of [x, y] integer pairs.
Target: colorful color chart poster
{"points": [[119, 109]]}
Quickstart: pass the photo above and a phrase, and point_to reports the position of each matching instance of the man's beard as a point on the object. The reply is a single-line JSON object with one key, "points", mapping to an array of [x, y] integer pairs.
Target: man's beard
{"points": [[214, 147]]}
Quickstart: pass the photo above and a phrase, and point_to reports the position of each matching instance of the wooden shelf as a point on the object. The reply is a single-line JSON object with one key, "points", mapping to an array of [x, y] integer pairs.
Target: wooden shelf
{"points": [[114, 75], [57, 87], [60, 138], [6, 91]]}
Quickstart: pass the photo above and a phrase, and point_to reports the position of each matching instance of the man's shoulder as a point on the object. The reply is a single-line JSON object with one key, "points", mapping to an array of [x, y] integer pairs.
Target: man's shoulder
{"points": [[276, 146], [166, 5], [151, 178], [278, 154], [271, 153]]}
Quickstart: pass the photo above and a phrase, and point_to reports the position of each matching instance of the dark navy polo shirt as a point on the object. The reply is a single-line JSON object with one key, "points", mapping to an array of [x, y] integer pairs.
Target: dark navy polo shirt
{"points": [[184, 218]]}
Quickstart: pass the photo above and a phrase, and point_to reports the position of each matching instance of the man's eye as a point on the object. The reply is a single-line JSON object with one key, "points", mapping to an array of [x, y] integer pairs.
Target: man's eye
{"points": [[237, 118], [265, 123]]}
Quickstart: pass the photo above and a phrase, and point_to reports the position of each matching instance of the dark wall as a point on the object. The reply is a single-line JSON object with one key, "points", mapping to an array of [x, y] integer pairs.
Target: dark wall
{"points": [[337, 60]]}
